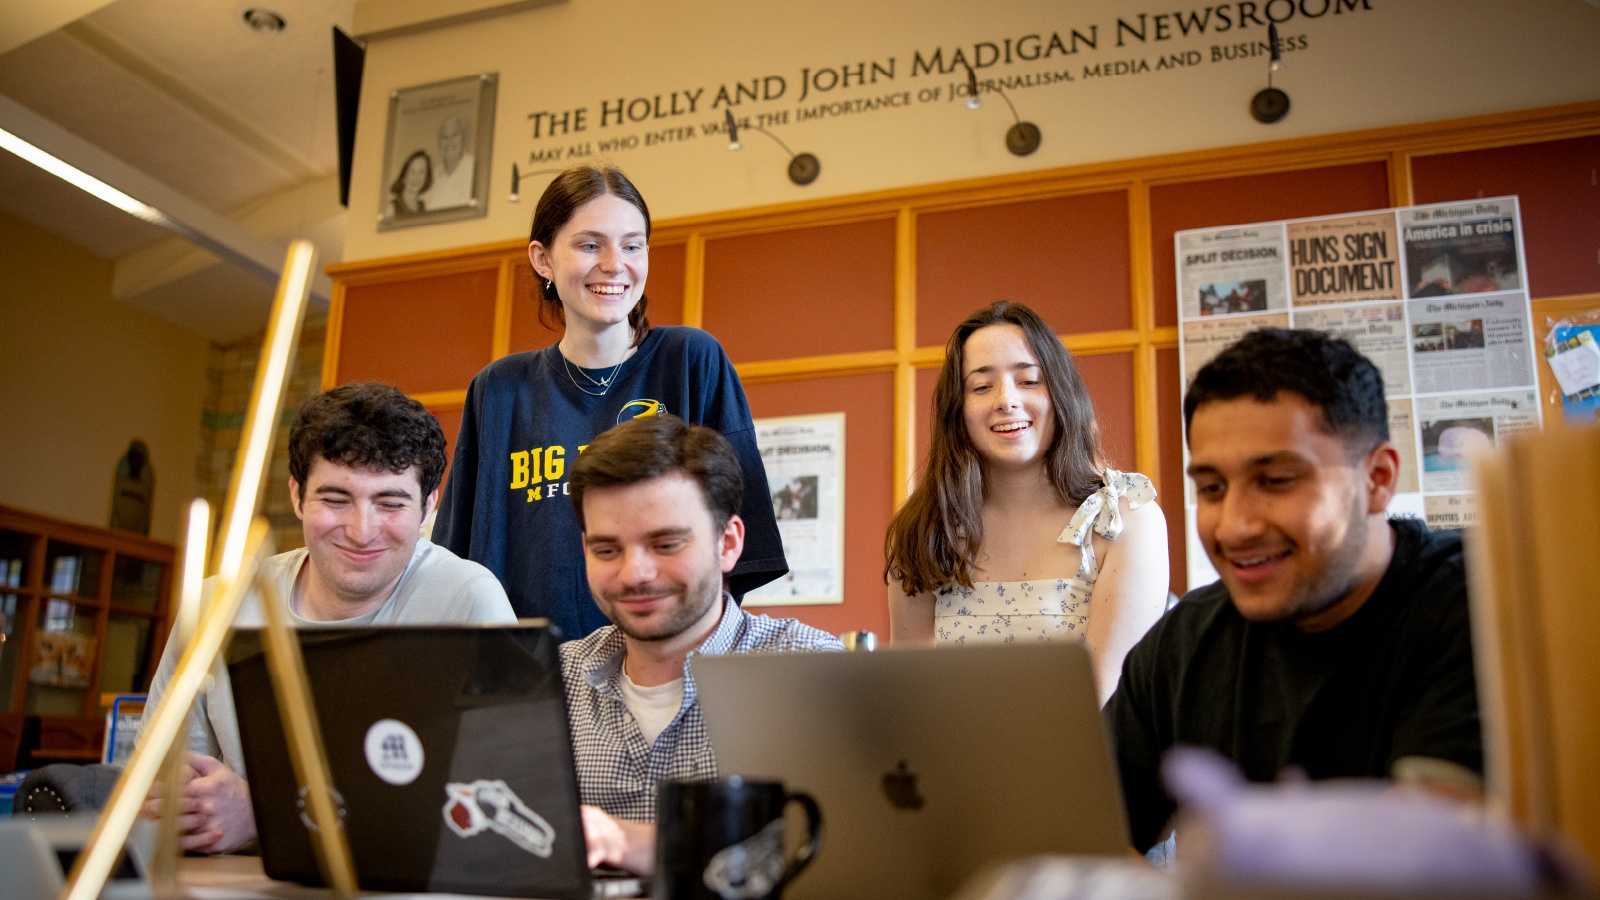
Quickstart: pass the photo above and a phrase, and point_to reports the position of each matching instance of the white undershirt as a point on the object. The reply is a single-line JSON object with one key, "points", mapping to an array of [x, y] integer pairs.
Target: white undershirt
{"points": [[653, 708]]}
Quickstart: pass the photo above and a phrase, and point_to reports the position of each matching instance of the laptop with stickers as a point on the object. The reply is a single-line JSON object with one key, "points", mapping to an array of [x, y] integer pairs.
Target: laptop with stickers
{"points": [[448, 748], [929, 765]]}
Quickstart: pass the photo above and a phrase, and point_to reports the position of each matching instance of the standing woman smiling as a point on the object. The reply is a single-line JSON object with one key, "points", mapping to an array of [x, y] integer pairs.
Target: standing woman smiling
{"points": [[529, 415], [1019, 531]]}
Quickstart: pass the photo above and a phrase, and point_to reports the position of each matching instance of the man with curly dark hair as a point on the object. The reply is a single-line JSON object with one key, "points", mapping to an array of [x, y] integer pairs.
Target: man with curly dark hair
{"points": [[1337, 639], [365, 463]]}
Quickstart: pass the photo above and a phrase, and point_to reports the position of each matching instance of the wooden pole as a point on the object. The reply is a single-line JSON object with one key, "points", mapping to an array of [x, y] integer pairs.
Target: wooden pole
{"points": [[164, 868], [244, 544]]}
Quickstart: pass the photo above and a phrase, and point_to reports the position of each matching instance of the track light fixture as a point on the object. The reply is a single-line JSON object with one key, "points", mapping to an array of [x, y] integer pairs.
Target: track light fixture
{"points": [[803, 167], [517, 176], [1270, 104], [1022, 137]]}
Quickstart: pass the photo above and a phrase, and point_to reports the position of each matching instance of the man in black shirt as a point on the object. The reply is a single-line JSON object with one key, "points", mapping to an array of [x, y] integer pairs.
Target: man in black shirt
{"points": [[1337, 640]]}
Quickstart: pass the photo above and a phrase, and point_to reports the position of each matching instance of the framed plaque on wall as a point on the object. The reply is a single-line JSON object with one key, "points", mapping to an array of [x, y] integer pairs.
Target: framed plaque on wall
{"points": [[436, 155]]}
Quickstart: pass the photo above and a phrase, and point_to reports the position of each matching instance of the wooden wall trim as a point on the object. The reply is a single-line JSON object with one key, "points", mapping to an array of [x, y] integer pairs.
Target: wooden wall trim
{"points": [[694, 281], [905, 343], [1402, 188], [1141, 289], [818, 366], [448, 261], [442, 399], [330, 340], [504, 304]]}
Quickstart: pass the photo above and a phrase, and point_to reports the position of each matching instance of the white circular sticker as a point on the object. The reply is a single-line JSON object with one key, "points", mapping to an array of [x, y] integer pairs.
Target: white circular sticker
{"points": [[393, 751]]}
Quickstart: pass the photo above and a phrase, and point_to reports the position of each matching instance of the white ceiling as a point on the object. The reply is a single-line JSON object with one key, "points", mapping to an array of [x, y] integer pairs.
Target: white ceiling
{"points": [[190, 95]]}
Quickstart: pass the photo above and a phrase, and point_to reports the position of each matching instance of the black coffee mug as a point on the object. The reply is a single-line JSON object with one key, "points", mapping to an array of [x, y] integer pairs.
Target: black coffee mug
{"points": [[723, 840]]}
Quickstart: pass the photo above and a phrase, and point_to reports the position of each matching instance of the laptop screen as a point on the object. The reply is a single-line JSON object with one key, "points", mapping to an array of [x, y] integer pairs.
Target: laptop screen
{"points": [[449, 751]]}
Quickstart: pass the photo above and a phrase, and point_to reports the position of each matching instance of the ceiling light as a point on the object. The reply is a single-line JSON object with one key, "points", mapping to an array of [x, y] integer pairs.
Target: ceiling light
{"points": [[264, 21], [82, 179]]}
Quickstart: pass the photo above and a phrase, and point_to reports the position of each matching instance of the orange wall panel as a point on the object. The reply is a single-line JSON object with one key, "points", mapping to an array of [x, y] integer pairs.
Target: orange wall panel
{"points": [[450, 422], [665, 287], [1559, 194], [803, 292], [527, 331], [1252, 198], [1066, 257], [1109, 377], [427, 334], [927, 380], [868, 404]]}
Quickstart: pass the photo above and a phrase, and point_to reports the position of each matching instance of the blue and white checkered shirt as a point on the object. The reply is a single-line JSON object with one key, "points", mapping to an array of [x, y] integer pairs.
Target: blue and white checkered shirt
{"points": [[617, 770]]}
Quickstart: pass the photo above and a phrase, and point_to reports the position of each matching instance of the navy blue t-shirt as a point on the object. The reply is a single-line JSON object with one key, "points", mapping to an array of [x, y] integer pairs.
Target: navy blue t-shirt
{"points": [[506, 503]]}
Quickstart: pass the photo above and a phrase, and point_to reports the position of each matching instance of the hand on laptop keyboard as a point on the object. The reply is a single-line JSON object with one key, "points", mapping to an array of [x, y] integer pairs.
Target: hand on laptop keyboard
{"points": [[617, 842]]}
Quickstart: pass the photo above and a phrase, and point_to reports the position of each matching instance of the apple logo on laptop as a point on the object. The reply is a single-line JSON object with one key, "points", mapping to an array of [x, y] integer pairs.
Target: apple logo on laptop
{"points": [[900, 786]]}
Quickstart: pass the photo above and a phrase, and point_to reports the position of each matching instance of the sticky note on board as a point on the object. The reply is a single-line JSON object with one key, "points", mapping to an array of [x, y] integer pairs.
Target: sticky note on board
{"points": [[1576, 363]]}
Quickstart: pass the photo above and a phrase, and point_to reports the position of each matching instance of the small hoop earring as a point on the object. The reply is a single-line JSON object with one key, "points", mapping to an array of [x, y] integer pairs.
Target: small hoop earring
{"points": [[547, 284]]}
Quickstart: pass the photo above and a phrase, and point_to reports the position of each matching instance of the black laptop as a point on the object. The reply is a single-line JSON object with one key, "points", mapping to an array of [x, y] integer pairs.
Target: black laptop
{"points": [[449, 752]]}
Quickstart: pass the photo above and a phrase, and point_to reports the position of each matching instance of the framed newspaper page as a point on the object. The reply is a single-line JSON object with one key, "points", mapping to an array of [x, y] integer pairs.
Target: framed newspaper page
{"points": [[1434, 295], [436, 154], [804, 459]]}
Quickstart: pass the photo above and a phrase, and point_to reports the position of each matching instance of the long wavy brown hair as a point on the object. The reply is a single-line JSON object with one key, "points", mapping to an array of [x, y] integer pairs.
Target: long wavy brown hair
{"points": [[936, 534], [570, 190]]}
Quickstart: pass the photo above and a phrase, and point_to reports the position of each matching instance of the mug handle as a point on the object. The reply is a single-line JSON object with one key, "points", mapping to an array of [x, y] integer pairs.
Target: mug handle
{"points": [[808, 852]]}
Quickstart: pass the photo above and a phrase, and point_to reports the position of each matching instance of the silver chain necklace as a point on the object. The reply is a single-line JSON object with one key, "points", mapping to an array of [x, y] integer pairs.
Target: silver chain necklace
{"points": [[604, 384]]}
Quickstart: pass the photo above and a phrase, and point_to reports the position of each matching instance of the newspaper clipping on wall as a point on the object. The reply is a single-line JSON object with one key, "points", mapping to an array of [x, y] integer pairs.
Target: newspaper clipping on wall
{"points": [[1378, 330], [1230, 271], [804, 459], [1434, 295], [1345, 260]]}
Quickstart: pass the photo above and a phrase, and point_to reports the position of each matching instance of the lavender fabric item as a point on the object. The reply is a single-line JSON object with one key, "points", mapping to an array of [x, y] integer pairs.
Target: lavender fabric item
{"points": [[1347, 833]]}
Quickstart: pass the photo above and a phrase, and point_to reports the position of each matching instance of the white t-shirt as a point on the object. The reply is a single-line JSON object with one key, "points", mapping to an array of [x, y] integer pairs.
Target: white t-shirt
{"points": [[653, 708], [437, 588]]}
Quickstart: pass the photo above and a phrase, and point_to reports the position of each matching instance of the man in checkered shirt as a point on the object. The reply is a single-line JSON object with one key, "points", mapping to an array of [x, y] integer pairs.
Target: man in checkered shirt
{"points": [[657, 501]]}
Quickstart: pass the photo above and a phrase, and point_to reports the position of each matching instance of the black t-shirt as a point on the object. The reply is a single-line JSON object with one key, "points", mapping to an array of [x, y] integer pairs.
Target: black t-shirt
{"points": [[1393, 680]]}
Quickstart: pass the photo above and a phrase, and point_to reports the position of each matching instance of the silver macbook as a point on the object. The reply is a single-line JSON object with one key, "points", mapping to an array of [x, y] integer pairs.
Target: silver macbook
{"points": [[929, 765]]}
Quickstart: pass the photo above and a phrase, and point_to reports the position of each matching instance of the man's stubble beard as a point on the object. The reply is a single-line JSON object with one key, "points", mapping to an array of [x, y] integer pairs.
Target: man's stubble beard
{"points": [[697, 599], [1342, 573]]}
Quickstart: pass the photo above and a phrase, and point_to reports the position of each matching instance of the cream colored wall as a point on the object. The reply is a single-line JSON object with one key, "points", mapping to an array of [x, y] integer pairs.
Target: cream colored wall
{"points": [[1390, 62], [80, 376]]}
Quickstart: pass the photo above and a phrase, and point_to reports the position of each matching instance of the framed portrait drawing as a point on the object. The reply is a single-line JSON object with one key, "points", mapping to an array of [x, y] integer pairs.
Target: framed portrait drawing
{"points": [[436, 155]]}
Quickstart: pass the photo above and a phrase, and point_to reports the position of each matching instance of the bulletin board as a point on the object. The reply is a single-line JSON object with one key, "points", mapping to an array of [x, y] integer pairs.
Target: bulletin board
{"points": [[1436, 296]]}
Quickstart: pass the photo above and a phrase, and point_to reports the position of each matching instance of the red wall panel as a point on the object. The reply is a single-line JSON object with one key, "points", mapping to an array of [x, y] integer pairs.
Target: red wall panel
{"points": [[527, 332], [804, 292], [1066, 257], [868, 404], [430, 334], [450, 422], [1110, 380], [665, 287]]}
